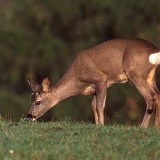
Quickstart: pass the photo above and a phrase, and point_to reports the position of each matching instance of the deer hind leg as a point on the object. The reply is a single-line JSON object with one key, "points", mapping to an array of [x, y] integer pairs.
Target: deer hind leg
{"points": [[152, 82], [149, 96], [148, 113], [157, 118], [157, 107]]}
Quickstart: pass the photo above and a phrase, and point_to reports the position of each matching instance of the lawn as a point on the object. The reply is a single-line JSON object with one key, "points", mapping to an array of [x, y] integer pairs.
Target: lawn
{"points": [[67, 140]]}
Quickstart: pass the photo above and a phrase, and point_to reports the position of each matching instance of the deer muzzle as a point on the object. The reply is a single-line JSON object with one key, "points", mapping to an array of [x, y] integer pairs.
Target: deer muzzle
{"points": [[31, 117]]}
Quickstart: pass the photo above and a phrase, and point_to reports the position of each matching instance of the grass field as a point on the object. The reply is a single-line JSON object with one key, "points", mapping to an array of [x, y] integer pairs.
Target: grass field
{"points": [[66, 140]]}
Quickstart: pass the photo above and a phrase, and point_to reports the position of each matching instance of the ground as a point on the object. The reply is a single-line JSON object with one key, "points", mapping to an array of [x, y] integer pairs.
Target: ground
{"points": [[76, 141]]}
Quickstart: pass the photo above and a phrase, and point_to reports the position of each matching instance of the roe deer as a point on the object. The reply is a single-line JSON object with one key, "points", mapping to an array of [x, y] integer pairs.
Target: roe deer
{"points": [[96, 69]]}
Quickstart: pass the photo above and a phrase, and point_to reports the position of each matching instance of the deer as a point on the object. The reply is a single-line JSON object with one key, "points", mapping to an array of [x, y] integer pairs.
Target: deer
{"points": [[96, 69]]}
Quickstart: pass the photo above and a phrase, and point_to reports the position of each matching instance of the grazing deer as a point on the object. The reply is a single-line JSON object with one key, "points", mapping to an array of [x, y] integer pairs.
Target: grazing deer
{"points": [[96, 69]]}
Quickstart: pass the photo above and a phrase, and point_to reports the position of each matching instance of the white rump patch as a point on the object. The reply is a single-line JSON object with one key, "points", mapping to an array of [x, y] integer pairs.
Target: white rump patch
{"points": [[154, 58]]}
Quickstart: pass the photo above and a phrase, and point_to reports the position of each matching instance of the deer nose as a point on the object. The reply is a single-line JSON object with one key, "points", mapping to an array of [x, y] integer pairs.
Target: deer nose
{"points": [[30, 116]]}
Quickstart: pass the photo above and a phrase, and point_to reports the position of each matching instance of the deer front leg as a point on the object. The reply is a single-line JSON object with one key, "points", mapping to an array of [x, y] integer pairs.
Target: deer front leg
{"points": [[100, 101], [94, 108]]}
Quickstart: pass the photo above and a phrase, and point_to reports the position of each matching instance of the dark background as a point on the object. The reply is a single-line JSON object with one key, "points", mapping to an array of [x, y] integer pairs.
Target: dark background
{"points": [[39, 38]]}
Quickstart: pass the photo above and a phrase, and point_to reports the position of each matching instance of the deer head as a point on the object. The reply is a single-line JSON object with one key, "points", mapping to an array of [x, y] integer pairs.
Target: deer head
{"points": [[41, 98]]}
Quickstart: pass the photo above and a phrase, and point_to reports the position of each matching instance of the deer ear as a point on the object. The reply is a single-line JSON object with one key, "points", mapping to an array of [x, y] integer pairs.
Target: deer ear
{"points": [[34, 86], [46, 84]]}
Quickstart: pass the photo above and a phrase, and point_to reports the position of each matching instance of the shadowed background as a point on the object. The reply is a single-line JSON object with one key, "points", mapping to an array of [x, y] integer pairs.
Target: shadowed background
{"points": [[39, 38]]}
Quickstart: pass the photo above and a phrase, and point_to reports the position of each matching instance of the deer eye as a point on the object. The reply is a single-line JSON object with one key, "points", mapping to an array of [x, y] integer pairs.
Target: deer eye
{"points": [[38, 103]]}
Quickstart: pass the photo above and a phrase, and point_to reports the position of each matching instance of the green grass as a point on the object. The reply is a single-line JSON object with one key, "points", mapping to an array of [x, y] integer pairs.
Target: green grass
{"points": [[66, 140]]}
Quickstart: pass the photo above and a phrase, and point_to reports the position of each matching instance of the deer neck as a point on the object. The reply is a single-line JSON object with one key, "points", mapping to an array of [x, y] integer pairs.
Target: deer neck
{"points": [[63, 89]]}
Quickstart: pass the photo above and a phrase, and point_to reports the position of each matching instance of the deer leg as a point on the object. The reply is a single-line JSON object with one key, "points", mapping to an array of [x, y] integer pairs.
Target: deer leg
{"points": [[94, 107], [157, 117], [149, 98], [148, 95], [101, 90], [157, 105], [146, 119], [152, 82]]}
